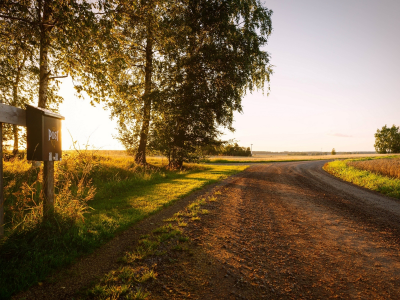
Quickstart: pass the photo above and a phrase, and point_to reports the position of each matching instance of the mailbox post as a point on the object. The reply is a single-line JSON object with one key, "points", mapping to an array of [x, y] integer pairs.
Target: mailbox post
{"points": [[43, 136]]}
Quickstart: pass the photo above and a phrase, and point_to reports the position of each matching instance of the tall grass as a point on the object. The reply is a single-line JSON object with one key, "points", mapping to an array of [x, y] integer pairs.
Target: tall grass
{"points": [[345, 170], [387, 167], [96, 197]]}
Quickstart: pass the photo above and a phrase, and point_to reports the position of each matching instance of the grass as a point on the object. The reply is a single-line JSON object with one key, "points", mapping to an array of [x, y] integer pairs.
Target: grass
{"points": [[137, 268], [345, 170], [111, 194]]}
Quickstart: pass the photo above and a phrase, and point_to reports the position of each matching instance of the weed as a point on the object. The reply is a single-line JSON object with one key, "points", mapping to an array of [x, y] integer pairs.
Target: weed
{"points": [[147, 275], [139, 294]]}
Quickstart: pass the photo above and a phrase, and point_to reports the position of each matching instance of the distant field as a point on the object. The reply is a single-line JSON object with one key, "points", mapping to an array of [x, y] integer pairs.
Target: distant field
{"points": [[160, 160], [279, 157]]}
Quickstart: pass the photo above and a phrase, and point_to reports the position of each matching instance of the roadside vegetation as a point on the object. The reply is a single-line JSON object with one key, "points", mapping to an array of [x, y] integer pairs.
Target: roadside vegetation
{"points": [[96, 197], [377, 174], [136, 276]]}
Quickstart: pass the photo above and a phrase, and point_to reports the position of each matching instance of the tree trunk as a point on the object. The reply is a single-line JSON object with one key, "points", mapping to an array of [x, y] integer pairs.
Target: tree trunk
{"points": [[15, 133], [43, 55], [15, 127], [140, 157], [48, 166]]}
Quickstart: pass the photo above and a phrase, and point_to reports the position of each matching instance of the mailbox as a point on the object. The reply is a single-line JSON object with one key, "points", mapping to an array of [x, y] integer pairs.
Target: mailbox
{"points": [[43, 134]]}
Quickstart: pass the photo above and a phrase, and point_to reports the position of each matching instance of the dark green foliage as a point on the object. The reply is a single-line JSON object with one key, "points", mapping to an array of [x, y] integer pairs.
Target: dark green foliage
{"points": [[387, 140], [217, 58], [226, 149]]}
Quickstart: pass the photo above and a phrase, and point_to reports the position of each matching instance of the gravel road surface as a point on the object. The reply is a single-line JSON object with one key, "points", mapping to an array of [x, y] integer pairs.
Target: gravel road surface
{"points": [[292, 231]]}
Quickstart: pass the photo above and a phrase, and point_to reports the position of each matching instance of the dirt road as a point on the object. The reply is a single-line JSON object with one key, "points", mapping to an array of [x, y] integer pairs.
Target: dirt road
{"points": [[276, 231], [291, 231]]}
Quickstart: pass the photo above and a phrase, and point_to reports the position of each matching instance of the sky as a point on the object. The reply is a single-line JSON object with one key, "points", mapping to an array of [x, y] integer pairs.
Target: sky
{"points": [[335, 82]]}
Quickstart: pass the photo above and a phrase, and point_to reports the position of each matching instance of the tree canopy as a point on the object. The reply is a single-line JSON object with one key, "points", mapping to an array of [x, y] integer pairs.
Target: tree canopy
{"points": [[387, 140], [171, 72]]}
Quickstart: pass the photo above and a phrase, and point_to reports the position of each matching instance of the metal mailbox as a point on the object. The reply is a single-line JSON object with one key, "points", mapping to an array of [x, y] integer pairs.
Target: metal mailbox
{"points": [[43, 134]]}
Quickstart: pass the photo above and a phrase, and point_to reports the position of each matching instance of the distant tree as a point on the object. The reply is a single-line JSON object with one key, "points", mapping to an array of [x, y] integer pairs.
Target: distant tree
{"points": [[333, 151], [387, 140]]}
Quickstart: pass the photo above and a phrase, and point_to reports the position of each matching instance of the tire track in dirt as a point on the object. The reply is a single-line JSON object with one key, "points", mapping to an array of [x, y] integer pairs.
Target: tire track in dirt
{"points": [[290, 231]]}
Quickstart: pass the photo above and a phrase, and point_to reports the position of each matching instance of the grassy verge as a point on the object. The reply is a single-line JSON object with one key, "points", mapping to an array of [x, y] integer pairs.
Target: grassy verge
{"points": [[120, 194], [376, 182], [137, 273]]}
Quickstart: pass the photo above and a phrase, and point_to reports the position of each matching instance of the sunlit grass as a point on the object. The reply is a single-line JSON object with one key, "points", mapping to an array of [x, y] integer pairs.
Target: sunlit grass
{"points": [[125, 194], [376, 182]]}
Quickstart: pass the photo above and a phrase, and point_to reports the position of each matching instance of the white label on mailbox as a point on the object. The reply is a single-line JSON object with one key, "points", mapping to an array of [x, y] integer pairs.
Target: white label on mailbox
{"points": [[53, 135], [50, 156], [56, 156]]}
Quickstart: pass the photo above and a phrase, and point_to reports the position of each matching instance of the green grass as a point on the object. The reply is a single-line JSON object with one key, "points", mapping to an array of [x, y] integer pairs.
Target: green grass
{"points": [[125, 194], [137, 267], [383, 184]]}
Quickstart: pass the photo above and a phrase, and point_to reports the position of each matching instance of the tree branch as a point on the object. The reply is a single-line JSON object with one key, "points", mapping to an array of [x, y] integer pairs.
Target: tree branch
{"points": [[53, 77], [15, 18]]}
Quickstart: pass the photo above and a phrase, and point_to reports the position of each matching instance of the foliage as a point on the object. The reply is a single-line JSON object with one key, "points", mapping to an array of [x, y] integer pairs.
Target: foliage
{"points": [[217, 59], [229, 148], [208, 54], [376, 182], [57, 36], [125, 193], [333, 152], [19, 74], [387, 140]]}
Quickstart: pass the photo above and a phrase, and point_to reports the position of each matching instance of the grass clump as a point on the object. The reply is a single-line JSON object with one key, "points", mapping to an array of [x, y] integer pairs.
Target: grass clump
{"points": [[345, 170]]}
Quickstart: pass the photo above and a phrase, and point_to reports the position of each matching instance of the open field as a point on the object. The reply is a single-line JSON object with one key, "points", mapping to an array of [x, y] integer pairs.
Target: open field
{"points": [[278, 157], [372, 174], [97, 198], [387, 167]]}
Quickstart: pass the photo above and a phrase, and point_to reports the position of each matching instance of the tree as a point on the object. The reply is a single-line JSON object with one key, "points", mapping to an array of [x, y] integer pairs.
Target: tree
{"points": [[58, 33], [387, 140], [333, 151], [218, 60], [140, 47], [19, 73]]}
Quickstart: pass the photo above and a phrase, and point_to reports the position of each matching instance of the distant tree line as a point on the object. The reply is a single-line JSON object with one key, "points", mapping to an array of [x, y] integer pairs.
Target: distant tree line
{"points": [[229, 148], [171, 72]]}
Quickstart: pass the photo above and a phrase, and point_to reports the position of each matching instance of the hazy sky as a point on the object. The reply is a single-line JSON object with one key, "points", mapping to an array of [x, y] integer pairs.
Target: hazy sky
{"points": [[335, 81]]}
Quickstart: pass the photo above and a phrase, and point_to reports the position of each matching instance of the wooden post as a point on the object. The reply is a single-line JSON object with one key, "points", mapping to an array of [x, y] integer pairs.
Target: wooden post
{"points": [[48, 188], [1, 184]]}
